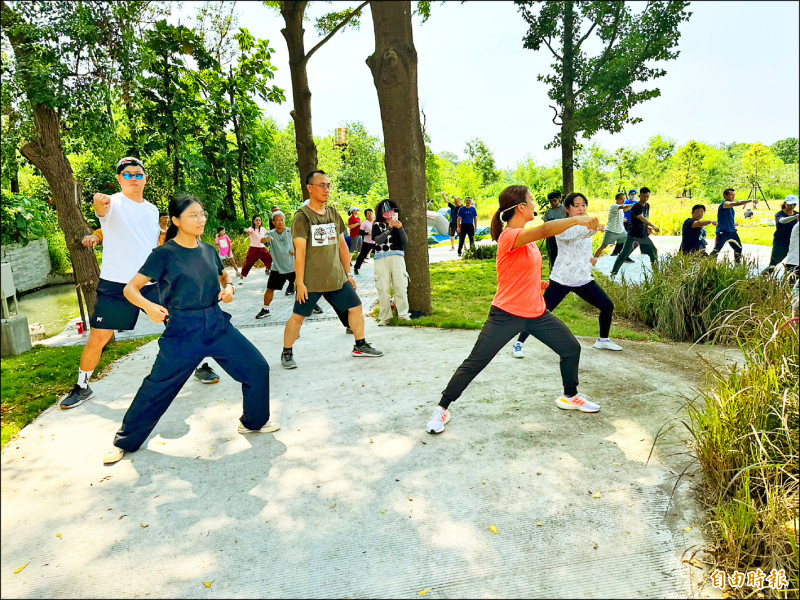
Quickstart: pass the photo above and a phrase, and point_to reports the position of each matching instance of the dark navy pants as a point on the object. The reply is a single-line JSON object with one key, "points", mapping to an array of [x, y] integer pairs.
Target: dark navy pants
{"points": [[736, 244], [191, 336]]}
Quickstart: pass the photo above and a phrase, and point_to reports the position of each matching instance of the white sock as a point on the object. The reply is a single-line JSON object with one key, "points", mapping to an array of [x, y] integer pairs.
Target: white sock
{"points": [[83, 378], [266, 306]]}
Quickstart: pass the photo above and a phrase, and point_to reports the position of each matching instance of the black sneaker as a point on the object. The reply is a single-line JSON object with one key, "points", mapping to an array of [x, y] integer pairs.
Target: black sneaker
{"points": [[287, 360], [366, 350], [629, 260], [76, 397], [204, 374], [317, 310], [355, 272], [263, 313], [348, 330], [289, 291]]}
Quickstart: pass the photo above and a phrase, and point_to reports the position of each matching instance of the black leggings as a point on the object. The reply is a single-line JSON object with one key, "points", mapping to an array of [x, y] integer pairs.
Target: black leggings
{"points": [[499, 328], [590, 292], [467, 229], [366, 248]]}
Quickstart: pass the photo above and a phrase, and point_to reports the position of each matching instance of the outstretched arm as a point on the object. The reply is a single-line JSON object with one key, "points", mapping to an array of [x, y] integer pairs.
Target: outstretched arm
{"points": [[554, 227]]}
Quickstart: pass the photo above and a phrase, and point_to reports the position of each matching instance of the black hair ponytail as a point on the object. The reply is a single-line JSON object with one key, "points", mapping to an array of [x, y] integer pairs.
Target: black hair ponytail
{"points": [[177, 205]]}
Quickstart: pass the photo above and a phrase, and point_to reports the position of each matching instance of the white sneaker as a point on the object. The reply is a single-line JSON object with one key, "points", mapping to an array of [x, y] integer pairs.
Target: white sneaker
{"points": [[606, 344], [580, 402], [517, 352], [440, 418], [113, 455], [268, 427], [241, 280]]}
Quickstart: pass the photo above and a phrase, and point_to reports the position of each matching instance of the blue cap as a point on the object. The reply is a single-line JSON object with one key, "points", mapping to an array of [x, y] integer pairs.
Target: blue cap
{"points": [[632, 192]]}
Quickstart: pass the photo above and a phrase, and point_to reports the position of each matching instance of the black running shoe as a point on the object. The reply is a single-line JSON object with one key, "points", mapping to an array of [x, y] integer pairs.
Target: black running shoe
{"points": [[76, 397], [317, 310], [204, 374], [263, 313]]}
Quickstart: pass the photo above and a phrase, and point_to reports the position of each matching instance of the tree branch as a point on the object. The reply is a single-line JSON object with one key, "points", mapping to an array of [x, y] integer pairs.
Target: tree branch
{"points": [[344, 22], [547, 43], [607, 51], [555, 116], [583, 39]]}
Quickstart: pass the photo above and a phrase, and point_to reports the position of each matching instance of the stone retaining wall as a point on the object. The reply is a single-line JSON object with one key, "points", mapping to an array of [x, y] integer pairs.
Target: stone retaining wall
{"points": [[30, 264]]}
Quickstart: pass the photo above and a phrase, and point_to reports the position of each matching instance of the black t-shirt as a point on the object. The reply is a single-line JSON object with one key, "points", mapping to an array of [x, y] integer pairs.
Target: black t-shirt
{"points": [[188, 278], [638, 229], [691, 238], [783, 231]]}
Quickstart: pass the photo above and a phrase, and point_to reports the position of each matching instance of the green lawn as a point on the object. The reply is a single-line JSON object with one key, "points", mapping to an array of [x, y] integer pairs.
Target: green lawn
{"points": [[33, 381], [462, 293]]}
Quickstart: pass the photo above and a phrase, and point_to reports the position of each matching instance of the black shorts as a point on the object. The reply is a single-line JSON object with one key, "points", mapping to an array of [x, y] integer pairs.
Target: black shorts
{"points": [[276, 280], [453, 229], [341, 300], [113, 311]]}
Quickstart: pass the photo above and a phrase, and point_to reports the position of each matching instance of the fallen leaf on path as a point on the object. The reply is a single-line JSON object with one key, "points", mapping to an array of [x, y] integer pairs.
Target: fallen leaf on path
{"points": [[688, 529], [22, 567], [540, 524], [333, 506], [145, 524], [58, 535], [493, 529], [383, 512], [423, 592], [597, 495], [207, 583]]}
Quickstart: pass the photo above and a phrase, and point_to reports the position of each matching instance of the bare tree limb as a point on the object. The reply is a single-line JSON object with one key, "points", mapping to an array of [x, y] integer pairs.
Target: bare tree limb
{"points": [[547, 43], [344, 22], [555, 116], [583, 39]]}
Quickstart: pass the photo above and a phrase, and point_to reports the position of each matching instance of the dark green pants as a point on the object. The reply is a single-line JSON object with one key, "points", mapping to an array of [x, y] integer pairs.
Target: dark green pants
{"points": [[645, 246]]}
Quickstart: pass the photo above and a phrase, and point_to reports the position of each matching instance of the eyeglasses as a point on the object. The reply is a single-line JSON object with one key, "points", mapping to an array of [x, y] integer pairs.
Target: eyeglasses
{"points": [[324, 186], [136, 176], [198, 217]]}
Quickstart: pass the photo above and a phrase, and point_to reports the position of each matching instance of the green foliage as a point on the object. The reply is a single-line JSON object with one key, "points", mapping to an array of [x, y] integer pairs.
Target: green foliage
{"points": [[744, 428], [24, 218], [788, 150], [481, 252], [479, 153], [686, 295]]}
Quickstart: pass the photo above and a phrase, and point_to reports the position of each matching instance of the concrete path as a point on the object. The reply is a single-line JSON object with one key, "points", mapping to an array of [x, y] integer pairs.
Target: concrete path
{"points": [[351, 498]]}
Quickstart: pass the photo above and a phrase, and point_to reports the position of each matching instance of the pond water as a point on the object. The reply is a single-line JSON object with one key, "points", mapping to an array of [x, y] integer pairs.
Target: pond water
{"points": [[53, 307]]}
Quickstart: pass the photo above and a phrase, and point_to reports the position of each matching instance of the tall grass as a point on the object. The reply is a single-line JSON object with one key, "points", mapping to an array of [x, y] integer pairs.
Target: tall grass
{"points": [[685, 295], [744, 428]]}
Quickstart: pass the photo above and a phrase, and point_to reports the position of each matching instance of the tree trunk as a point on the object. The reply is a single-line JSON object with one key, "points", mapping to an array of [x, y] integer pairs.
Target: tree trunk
{"points": [[568, 114], [237, 129], [394, 72], [229, 203], [292, 13], [47, 154]]}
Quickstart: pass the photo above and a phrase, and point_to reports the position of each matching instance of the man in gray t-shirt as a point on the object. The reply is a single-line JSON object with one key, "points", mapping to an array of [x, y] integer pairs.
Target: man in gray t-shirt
{"points": [[556, 211], [282, 261]]}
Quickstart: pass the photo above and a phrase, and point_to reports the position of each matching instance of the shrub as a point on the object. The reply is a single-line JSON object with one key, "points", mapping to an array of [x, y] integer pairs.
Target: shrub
{"points": [[686, 294], [24, 218], [481, 252], [744, 428]]}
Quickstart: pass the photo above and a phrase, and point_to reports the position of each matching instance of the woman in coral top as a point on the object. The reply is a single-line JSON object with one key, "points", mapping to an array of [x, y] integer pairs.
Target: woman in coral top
{"points": [[519, 305]]}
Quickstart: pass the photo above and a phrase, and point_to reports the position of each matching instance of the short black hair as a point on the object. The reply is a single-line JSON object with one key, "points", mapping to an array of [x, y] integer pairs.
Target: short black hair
{"points": [[162, 214], [644, 190], [310, 176], [696, 206], [570, 199], [619, 194], [727, 192], [556, 195], [220, 229]]}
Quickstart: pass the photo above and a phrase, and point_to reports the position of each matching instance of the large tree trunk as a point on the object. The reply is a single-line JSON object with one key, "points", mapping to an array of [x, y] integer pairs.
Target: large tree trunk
{"points": [[394, 72], [47, 154], [292, 13], [568, 114]]}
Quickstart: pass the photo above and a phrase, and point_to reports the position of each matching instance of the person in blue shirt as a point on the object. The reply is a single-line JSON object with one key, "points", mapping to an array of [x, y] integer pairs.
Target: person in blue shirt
{"points": [[467, 222], [626, 223], [726, 225], [454, 207]]}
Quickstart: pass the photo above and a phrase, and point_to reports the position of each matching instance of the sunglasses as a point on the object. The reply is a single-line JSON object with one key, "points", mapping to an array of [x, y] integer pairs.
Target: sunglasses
{"points": [[136, 176]]}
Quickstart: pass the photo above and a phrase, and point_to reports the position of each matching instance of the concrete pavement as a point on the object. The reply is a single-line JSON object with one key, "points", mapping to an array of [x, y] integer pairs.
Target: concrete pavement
{"points": [[351, 498]]}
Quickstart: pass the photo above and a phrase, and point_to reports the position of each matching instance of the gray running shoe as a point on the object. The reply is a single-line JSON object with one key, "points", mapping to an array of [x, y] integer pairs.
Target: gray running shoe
{"points": [[204, 374], [76, 397], [287, 360], [366, 350]]}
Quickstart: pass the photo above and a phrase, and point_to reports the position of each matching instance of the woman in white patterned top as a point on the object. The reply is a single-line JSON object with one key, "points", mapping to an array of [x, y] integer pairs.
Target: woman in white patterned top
{"points": [[572, 272]]}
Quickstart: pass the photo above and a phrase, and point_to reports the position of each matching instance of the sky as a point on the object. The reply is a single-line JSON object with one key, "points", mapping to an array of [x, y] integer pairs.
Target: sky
{"points": [[735, 80]]}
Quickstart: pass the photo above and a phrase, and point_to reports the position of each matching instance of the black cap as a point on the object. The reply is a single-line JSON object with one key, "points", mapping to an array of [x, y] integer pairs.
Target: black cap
{"points": [[129, 161]]}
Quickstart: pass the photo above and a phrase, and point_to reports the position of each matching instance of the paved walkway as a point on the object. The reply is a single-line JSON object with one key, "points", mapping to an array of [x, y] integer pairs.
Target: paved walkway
{"points": [[351, 498]]}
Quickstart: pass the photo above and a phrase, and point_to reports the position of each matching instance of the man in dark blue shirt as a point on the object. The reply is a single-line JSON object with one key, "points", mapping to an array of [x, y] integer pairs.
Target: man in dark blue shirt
{"points": [[693, 239], [454, 208], [467, 221], [726, 225]]}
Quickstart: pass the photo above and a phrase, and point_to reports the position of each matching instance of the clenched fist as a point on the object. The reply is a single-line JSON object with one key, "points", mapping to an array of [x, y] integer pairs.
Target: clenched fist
{"points": [[102, 204]]}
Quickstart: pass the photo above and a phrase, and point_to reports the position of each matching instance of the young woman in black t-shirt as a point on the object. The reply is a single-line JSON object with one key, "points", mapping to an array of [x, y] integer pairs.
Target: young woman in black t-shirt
{"points": [[189, 273]]}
